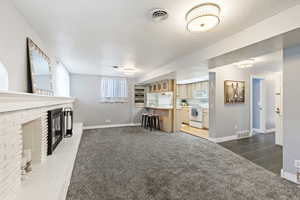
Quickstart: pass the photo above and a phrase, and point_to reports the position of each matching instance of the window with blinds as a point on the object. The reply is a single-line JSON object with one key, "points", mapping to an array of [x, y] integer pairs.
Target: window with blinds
{"points": [[114, 90]]}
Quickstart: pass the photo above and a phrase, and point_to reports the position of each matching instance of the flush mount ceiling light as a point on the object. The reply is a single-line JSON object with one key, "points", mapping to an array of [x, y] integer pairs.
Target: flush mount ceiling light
{"points": [[246, 63], [128, 70], [203, 17]]}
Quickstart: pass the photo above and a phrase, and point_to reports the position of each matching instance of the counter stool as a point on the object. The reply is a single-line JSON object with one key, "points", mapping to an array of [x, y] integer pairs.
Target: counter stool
{"points": [[156, 121], [153, 121], [149, 122], [144, 120]]}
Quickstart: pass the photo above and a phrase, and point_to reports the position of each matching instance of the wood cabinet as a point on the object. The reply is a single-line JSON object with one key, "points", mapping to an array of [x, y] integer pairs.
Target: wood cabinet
{"points": [[150, 88], [139, 96], [166, 85], [186, 91], [185, 115], [205, 118], [161, 86], [190, 91]]}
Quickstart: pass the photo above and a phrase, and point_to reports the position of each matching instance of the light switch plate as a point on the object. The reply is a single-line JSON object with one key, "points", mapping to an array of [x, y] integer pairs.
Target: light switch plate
{"points": [[297, 164], [107, 121]]}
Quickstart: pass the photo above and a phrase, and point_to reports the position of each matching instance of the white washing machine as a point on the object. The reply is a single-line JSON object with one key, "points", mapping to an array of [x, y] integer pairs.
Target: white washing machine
{"points": [[196, 117]]}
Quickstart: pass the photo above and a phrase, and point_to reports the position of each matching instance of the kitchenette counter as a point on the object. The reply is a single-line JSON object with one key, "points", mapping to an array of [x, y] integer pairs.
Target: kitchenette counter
{"points": [[183, 107], [166, 117], [159, 108]]}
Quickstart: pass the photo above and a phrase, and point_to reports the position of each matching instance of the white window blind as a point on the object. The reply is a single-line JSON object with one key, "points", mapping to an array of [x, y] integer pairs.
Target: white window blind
{"points": [[114, 90]]}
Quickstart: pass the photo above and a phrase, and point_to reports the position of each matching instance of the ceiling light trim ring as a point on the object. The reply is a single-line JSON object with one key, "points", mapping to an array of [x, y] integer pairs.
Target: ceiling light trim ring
{"points": [[202, 5], [206, 15]]}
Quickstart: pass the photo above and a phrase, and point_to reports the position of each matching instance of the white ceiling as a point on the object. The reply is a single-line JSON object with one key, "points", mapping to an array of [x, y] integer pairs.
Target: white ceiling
{"points": [[268, 63], [91, 36], [263, 65]]}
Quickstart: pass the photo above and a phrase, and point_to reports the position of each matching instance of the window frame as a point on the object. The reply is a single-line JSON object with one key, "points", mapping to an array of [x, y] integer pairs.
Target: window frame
{"points": [[114, 99]]}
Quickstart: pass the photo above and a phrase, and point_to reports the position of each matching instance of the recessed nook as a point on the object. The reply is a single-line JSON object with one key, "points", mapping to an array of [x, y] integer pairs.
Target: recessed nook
{"points": [[31, 146]]}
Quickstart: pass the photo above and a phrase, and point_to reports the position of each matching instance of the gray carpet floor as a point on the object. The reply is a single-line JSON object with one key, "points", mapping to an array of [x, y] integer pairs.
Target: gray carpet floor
{"points": [[135, 164]]}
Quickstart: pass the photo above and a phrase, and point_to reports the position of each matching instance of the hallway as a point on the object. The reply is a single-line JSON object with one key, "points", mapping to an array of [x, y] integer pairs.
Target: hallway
{"points": [[260, 149]]}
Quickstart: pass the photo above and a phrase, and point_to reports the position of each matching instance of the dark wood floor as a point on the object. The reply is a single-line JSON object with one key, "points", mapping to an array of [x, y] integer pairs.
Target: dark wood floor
{"points": [[260, 149]]}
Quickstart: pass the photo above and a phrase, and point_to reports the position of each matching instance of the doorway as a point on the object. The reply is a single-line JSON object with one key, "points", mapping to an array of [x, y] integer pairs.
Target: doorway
{"points": [[258, 110], [192, 108], [278, 110]]}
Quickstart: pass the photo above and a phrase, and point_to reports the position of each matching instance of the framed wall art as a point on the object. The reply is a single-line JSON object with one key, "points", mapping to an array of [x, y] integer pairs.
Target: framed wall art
{"points": [[234, 92]]}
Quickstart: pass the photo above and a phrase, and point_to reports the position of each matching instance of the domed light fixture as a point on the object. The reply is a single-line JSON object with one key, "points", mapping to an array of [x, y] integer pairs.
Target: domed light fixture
{"points": [[203, 17], [246, 63]]}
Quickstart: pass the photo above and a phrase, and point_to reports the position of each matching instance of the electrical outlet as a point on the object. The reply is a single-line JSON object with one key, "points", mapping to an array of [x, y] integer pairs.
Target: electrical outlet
{"points": [[297, 164], [107, 121]]}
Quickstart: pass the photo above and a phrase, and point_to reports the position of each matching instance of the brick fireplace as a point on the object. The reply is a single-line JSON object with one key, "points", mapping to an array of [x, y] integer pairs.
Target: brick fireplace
{"points": [[20, 129]]}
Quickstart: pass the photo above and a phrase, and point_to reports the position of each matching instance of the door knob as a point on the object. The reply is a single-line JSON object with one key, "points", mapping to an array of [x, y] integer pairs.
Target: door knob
{"points": [[277, 110]]}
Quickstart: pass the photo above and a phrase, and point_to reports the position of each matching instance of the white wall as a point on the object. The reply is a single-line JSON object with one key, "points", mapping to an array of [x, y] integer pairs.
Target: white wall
{"points": [[291, 109], [89, 109], [14, 30], [270, 83], [228, 116], [3, 78], [13, 51], [61, 81], [229, 119]]}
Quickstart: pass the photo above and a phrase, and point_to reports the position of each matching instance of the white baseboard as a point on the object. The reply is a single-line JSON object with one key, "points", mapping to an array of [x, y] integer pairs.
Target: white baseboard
{"points": [[109, 126], [270, 130], [289, 176], [257, 130], [223, 139], [265, 131], [230, 138]]}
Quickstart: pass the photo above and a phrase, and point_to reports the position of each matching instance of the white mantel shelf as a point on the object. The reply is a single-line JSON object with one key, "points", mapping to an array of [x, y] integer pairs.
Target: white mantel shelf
{"points": [[14, 101]]}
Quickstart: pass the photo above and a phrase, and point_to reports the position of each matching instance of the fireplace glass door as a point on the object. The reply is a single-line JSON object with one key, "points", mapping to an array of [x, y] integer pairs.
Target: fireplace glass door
{"points": [[55, 129]]}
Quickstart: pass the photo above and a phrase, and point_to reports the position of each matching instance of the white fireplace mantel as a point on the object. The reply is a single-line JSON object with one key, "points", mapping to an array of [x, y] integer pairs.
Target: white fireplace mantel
{"points": [[16, 101], [17, 109]]}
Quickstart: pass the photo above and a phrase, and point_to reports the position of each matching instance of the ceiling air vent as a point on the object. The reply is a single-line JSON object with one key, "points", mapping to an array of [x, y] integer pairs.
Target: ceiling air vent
{"points": [[159, 14]]}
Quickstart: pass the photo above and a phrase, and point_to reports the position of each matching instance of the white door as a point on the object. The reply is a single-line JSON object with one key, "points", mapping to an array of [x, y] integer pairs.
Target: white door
{"points": [[262, 105], [278, 111], [258, 105]]}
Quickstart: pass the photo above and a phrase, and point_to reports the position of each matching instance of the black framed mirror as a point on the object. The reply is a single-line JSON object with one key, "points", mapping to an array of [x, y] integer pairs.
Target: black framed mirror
{"points": [[39, 70]]}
